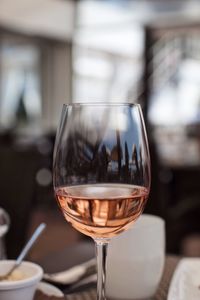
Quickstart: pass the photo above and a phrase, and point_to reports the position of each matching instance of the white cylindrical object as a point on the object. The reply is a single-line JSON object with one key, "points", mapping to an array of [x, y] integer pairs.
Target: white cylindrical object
{"points": [[136, 260]]}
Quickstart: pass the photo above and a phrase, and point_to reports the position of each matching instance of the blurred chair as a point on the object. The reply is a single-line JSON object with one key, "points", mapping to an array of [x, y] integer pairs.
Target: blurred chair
{"points": [[20, 163], [17, 174]]}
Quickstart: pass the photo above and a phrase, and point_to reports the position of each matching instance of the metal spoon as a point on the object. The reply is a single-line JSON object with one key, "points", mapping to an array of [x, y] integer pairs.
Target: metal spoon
{"points": [[25, 250]]}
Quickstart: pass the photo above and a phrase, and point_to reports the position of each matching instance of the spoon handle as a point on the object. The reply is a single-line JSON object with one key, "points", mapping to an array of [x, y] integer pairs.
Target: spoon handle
{"points": [[29, 244]]}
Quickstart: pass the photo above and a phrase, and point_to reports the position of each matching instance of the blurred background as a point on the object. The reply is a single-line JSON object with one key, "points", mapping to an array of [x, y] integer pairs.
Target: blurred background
{"points": [[62, 51]]}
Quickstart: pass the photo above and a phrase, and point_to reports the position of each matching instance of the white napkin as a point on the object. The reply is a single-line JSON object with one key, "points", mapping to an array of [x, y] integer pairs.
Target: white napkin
{"points": [[186, 280]]}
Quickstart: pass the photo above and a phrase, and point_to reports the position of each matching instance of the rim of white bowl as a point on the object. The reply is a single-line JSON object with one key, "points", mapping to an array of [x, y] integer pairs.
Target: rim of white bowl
{"points": [[8, 285]]}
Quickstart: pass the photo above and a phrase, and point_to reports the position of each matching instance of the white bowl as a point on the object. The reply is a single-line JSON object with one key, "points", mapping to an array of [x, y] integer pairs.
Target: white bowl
{"points": [[23, 288]]}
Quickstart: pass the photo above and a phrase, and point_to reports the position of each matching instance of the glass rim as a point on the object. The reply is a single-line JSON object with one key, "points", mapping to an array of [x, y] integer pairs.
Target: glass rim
{"points": [[79, 104]]}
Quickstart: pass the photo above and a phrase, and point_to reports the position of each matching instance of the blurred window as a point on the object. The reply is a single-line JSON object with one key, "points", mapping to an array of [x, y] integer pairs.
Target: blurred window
{"points": [[20, 101], [174, 102], [176, 80], [107, 53]]}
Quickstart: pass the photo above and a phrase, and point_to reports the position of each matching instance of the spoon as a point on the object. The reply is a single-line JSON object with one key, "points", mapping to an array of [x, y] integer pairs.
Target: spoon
{"points": [[25, 250], [72, 275]]}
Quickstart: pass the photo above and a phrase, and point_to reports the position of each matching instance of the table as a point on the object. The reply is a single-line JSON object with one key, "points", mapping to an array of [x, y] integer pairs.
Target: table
{"points": [[87, 252], [170, 265]]}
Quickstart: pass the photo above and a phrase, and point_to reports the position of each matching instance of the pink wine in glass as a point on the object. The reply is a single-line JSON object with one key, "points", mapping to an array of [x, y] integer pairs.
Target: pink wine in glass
{"points": [[101, 210]]}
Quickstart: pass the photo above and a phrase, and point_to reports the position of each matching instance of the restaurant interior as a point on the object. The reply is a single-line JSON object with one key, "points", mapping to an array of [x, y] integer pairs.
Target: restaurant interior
{"points": [[66, 51]]}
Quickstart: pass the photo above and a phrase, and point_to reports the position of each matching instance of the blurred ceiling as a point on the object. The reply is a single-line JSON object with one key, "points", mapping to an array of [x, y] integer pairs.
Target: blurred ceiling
{"points": [[56, 18], [95, 13], [48, 18], [116, 26]]}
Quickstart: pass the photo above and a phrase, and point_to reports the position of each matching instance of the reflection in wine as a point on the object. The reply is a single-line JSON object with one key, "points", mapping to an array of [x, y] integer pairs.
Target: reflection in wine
{"points": [[101, 210]]}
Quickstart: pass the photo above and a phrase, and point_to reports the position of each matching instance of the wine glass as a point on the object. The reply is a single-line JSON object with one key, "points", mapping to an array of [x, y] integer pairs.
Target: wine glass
{"points": [[101, 172]]}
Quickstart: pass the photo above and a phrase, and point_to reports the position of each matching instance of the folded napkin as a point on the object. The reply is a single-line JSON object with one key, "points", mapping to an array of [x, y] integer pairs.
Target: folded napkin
{"points": [[41, 296], [89, 295], [186, 280]]}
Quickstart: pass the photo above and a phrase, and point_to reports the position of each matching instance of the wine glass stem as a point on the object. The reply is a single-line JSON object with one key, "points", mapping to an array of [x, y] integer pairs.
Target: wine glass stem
{"points": [[101, 254]]}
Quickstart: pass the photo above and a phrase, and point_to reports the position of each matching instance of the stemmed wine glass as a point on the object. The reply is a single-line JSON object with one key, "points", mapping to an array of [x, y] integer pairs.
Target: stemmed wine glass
{"points": [[101, 172]]}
